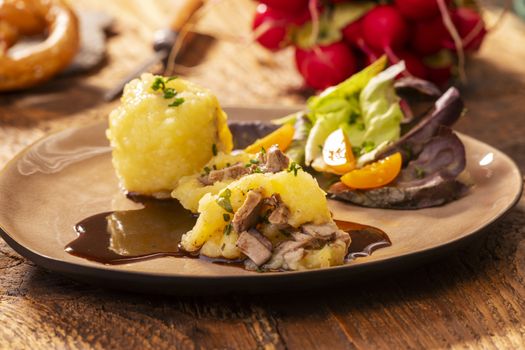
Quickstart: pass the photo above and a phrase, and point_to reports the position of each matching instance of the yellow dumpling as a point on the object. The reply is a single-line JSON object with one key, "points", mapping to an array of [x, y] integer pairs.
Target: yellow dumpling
{"points": [[299, 191], [165, 129], [190, 189]]}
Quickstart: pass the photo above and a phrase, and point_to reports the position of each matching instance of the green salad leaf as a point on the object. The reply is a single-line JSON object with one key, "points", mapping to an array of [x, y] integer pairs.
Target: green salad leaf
{"points": [[365, 106]]}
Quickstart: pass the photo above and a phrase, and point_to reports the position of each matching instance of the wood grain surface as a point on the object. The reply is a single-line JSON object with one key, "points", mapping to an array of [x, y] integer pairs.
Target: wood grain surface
{"points": [[472, 298]]}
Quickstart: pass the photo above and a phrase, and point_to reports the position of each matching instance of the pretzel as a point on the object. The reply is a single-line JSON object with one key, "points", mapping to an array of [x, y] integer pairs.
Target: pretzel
{"points": [[33, 65]]}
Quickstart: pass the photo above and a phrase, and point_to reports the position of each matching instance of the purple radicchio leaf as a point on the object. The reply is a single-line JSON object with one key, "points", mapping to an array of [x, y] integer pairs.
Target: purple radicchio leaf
{"points": [[447, 109], [414, 84], [427, 181], [443, 155], [437, 191]]}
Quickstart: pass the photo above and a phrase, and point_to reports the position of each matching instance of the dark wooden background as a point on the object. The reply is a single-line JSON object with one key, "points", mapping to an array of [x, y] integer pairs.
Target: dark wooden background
{"points": [[472, 298]]}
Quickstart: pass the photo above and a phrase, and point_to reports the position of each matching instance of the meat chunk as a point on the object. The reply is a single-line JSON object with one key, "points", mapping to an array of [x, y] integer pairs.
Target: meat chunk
{"points": [[280, 213], [325, 231], [255, 246], [248, 214], [232, 172], [288, 254], [275, 160]]}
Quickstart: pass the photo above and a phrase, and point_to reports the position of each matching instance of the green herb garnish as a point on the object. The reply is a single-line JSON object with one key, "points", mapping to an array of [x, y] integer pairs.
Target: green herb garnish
{"points": [[224, 200], [419, 172], [226, 217], [214, 149], [294, 167], [228, 229], [160, 84], [176, 102], [367, 146]]}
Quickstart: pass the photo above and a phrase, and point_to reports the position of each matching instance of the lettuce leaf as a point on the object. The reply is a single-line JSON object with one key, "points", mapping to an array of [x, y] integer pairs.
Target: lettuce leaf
{"points": [[365, 106], [336, 107], [381, 113]]}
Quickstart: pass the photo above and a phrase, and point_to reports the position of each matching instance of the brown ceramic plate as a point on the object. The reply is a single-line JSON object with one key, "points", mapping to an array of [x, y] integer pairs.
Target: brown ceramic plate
{"points": [[68, 176]]}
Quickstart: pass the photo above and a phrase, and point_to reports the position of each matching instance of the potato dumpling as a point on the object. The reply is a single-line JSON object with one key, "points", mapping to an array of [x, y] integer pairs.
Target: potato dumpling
{"points": [[191, 189], [165, 129], [212, 233]]}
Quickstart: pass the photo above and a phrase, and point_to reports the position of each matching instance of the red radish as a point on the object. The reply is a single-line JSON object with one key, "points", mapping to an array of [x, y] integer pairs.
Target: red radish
{"points": [[325, 66], [353, 33], [384, 28], [272, 25], [440, 75], [429, 36], [288, 6], [470, 27], [418, 9], [414, 65]]}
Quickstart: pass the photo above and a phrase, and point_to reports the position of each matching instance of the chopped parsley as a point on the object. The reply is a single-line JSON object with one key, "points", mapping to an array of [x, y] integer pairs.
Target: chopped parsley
{"points": [[419, 172], [159, 84], [176, 102], [263, 150], [360, 126], [228, 229], [367, 146], [294, 167], [207, 170], [353, 118], [224, 200], [214, 149], [226, 217], [169, 93], [254, 161], [408, 150]]}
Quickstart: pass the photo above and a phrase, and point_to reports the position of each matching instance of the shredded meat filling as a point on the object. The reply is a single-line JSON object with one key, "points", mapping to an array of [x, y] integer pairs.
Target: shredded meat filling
{"points": [[289, 253], [280, 213], [271, 161], [275, 160], [232, 172], [255, 246], [249, 212]]}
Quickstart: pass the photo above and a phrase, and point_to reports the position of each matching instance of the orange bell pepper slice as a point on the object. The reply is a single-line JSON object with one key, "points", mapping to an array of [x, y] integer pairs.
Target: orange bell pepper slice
{"points": [[376, 174], [281, 137]]}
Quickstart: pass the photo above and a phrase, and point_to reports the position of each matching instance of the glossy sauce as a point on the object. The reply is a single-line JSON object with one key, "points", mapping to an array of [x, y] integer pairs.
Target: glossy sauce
{"points": [[123, 237]]}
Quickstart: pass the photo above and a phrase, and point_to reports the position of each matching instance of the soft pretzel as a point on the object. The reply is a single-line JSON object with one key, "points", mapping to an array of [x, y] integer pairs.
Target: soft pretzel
{"points": [[32, 65]]}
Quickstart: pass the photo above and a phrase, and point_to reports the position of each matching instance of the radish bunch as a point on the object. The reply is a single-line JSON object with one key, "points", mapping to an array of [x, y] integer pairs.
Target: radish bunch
{"points": [[334, 39]]}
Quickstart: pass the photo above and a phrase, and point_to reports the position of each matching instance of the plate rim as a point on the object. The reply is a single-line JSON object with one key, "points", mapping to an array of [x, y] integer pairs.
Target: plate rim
{"points": [[69, 268]]}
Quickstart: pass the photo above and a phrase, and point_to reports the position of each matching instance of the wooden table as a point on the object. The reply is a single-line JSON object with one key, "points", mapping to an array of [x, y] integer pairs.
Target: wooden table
{"points": [[473, 298]]}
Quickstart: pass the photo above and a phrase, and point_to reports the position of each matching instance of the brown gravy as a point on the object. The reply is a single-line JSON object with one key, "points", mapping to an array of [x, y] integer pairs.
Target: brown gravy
{"points": [[123, 237]]}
